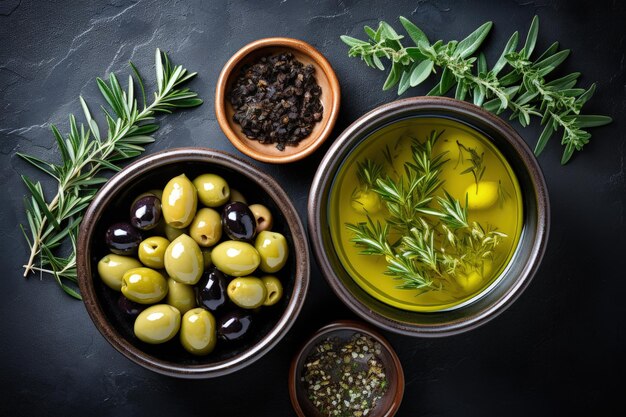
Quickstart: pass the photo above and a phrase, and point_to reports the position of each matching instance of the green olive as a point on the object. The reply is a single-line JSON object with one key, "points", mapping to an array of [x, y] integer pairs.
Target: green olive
{"points": [[235, 195], [180, 296], [144, 285], [206, 227], [366, 202], [184, 261], [482, 195], [112, 268], [235, 258], [171, 233], [263, 217], [273, 249], [152, 251], [157, 324], [472, 280], [213, 191], [179, 202], [247, 292], [198, 332], [274, 290], [206, 255]]}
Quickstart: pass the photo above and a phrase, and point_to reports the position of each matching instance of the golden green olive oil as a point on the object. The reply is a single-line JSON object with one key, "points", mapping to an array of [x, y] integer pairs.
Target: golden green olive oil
{"points": [[489, 189]]}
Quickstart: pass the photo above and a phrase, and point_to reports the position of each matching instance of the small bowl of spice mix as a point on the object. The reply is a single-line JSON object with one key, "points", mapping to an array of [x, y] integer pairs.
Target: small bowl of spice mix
{"points": [[277, 99], [346, 369]]}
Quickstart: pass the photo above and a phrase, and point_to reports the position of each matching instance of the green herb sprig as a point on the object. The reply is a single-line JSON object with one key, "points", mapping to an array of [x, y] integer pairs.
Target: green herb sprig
{"points": [[477, 164], [524, 90], [437, 239], [85, 154]]}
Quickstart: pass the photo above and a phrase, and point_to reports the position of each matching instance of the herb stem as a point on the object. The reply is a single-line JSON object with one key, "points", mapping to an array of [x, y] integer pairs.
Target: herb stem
{"points": [[34, 249], [47, 271]]}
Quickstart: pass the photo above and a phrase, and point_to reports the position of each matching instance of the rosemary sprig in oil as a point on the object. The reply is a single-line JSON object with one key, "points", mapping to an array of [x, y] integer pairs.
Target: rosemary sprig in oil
{"points": [[477, 164], [438, 242]]}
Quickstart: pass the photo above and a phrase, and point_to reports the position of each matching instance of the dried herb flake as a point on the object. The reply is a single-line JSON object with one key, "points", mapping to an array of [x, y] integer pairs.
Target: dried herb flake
{"points": [[345, 378]]}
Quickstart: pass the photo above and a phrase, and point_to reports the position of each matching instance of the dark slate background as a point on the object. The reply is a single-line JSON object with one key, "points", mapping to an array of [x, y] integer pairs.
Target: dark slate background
{"points": [[559, 350]]}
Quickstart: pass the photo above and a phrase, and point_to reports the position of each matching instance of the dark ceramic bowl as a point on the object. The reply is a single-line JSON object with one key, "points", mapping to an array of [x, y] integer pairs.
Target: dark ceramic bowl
{"points": [[112, 204], [344, 330], [522, 266]]}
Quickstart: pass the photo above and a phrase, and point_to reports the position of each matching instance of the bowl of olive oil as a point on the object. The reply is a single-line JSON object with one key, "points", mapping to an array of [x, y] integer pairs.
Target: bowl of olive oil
{"points": [[428, 216]]}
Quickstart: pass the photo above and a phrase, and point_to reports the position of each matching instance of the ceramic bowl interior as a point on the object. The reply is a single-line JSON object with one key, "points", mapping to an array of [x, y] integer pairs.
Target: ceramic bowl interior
{"points": [[112, 204], [324, 75], [515, 277], [344, 330]]}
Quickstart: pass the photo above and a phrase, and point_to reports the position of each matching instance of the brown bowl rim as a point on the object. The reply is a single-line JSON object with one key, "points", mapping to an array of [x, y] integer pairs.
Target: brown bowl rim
{"points": [[387, 112], [358, 327], [291, 155], [168, 157]]}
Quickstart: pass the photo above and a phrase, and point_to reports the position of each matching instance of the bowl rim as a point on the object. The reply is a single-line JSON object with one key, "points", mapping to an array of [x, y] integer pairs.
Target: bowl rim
{"points": [[356, 326], [302, 47], [394, 111], [223, 159]]}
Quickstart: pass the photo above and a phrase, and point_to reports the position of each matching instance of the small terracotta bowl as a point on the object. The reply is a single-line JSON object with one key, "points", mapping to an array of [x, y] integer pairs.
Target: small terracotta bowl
{"points": [[112, 203], [344, 330], [330, 97]]}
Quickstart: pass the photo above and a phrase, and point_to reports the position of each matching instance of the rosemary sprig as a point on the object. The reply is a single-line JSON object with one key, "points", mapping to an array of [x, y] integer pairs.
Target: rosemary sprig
{"points": [[477, 164], [524, 90], [408, 197], [368, 172], [373, 239], [85, 154], [438, 240]]}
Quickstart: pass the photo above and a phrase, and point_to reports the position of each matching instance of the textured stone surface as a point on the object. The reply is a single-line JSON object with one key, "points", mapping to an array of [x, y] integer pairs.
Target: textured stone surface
{"points": [[551, 353]]}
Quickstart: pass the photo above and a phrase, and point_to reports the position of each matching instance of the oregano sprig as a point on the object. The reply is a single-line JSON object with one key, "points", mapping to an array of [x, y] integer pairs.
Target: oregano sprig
{"points": [[524, 90], [85, 153]]}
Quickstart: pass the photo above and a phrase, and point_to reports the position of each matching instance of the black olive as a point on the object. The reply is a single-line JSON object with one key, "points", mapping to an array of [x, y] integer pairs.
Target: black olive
{"points": [[122, 238], [145, 213], [129, 307], [238, 221], [234, 325], [211, 290]]}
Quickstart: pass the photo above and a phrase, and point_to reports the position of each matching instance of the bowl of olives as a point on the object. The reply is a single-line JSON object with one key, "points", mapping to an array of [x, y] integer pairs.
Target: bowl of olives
{"points": [[192, 262]]}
